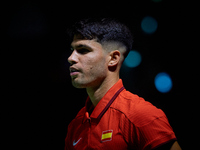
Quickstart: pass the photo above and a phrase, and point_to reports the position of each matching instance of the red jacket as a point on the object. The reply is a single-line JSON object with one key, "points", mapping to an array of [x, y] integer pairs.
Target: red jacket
{"points": [[121, 120]]}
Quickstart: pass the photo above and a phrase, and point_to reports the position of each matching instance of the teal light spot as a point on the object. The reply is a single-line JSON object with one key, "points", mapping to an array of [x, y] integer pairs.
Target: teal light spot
{"points": [[133, 59], [149, 25]]}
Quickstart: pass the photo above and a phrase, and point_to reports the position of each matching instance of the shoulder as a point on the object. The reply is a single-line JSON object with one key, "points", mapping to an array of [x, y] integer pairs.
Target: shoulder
{"points": [[136, 109], [141, 120]]}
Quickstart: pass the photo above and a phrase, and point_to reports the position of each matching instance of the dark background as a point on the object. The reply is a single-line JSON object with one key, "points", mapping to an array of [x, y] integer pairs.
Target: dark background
{"points": [[38, 100]]}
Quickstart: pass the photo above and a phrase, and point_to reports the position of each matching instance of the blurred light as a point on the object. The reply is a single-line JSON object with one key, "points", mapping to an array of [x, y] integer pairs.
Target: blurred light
{"points": [[149, 25], [163, 82], [133, 59]]}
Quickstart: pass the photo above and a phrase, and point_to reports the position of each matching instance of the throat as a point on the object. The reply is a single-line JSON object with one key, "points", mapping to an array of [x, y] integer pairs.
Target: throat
{"points": [[97, 93]]}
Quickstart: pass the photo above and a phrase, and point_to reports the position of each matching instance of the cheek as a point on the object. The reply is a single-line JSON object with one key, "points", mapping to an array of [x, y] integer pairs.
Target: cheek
{"points": [[100, 68], [96, 66]]}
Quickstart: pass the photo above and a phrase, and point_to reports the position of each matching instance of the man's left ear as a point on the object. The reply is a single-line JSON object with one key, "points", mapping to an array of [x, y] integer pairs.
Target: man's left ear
{"points": [[114, 58]]}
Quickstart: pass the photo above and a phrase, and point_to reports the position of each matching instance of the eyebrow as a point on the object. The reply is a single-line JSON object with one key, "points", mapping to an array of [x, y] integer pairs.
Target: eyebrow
{"points": [[81, 46]]}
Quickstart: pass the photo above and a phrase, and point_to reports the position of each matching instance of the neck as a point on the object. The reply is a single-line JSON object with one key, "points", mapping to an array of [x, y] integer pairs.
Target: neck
{"points": [[97, 93]]}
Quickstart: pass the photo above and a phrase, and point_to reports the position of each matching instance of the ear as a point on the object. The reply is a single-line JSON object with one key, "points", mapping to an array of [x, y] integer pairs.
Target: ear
{"points": [[114, 58]]}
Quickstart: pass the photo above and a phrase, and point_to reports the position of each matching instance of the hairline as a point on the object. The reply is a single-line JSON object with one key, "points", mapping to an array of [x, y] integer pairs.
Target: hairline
{"points": [[104, 43]]}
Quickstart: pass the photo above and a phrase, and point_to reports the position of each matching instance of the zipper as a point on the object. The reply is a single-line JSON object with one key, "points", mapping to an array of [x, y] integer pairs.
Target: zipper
{"points": [[88, 121]]}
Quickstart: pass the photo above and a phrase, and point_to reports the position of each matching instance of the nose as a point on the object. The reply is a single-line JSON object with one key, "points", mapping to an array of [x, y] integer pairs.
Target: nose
{"points": [[72, 59]]}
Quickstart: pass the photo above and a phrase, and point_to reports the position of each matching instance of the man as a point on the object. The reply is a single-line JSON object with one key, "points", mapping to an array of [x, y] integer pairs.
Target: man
{"points": [[112, 118]]}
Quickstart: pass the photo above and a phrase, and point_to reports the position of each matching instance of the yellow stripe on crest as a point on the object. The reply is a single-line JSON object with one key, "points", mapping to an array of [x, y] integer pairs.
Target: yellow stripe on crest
{"points": [[106, 136]]}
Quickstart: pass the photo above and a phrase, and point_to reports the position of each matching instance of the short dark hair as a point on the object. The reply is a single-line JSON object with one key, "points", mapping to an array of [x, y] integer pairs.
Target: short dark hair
{"points": [[104, 30]]}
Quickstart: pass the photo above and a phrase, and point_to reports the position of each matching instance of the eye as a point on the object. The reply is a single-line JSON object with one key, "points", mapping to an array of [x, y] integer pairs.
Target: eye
{"points": [[83, 51]]}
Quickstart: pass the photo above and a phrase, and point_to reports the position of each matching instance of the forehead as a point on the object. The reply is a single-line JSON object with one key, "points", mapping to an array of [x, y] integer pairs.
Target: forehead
{"points": [[78, 42]]}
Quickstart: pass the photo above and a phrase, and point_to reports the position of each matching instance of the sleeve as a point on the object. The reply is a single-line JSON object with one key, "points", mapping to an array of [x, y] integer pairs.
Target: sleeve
{"points": [[155, 133], [146, 130]]}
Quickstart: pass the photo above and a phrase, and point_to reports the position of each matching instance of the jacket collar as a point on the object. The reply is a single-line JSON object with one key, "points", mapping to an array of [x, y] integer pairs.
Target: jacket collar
{"points": [[104, 103]]}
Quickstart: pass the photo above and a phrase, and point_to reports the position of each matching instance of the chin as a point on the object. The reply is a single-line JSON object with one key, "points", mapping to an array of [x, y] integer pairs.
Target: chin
{"points": [[78, 85]]}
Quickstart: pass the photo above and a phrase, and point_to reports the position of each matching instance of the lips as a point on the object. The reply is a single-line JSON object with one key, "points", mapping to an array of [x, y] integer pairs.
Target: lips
{"points": [[73, 71]]}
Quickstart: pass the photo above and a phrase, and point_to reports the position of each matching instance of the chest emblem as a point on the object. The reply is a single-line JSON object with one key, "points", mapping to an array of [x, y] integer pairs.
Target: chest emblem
{"points": [[106, 135], [74, 143]]}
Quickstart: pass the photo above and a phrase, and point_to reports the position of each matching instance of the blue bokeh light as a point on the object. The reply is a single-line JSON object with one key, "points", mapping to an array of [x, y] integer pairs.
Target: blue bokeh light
{"points": [[133, 59], [149, 25], [163, 82]]}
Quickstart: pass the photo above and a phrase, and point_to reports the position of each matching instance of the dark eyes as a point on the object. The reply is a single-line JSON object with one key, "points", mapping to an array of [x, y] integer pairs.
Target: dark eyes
{"points": [[82, 50]]}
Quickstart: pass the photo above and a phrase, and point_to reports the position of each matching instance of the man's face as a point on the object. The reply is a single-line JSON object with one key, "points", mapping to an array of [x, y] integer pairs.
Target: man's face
{"points": [[88, 63]]}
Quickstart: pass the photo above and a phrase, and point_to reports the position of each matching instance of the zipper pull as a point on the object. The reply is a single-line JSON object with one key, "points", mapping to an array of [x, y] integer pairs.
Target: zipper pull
{"points": [[87, 117]]}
